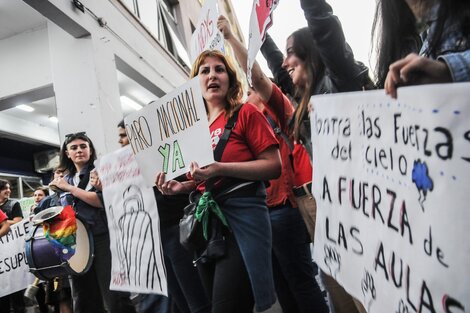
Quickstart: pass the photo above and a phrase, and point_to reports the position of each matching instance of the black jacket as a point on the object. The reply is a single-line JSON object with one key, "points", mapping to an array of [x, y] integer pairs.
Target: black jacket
{"points": [[343, 72]]}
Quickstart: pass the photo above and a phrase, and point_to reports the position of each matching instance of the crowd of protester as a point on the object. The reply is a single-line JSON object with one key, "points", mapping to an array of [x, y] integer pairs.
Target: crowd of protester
{"points": [[262, 180]]}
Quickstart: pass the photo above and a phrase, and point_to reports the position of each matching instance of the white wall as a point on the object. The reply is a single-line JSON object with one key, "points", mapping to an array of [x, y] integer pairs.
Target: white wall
{"points": [[24, 62]]}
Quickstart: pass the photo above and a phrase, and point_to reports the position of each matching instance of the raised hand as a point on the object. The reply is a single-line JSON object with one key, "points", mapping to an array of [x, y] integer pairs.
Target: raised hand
{"points": [[224, 26]]}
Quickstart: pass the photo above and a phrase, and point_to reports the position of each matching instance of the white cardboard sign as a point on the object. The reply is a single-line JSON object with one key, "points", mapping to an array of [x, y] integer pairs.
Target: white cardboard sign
{"points": [[14, 268], [391, 180], [134, 228], [206, 36], [171, 132]]}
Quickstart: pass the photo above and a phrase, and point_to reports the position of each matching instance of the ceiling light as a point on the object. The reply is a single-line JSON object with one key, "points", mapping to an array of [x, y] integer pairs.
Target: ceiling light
{"points": [[25, 108], [54, 119], [131, 103]]}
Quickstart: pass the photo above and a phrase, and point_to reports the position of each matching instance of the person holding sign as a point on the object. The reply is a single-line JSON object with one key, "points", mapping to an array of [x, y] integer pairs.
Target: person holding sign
{"points": [[90, 290], [445, 54], [184, 284], [4, 227], [243, 275], [296, 287], [319, 61]]}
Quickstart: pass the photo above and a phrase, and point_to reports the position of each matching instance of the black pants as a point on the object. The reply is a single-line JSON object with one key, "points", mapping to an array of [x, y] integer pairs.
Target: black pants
{"points": [[15, 299], [91, 292], [226, 281]]}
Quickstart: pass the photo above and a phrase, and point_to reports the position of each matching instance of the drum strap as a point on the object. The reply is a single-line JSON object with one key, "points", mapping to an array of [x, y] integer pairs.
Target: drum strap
{"points": [[82, 185]]}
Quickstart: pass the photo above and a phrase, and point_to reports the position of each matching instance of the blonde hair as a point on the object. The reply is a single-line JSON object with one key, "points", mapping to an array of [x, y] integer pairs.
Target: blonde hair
{"points": [[235, 91]]}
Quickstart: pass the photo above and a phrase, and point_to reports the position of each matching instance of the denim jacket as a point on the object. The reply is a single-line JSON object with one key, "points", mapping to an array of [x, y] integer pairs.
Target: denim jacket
{"points": [[454, 48]]}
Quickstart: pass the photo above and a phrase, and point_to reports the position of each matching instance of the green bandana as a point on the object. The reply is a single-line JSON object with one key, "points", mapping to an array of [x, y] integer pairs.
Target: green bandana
{"points": [[206, 205]]}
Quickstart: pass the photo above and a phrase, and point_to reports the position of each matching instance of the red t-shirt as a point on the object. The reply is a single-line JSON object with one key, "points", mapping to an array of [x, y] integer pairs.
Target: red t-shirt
{"points": [[3, 216], [279, 106], [251, 136], [280, 109], [302, 165]]}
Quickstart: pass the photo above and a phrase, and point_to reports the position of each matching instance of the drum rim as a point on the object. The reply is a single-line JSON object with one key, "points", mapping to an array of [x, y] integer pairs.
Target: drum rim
{"points": [[54, 211], [67, 269]]}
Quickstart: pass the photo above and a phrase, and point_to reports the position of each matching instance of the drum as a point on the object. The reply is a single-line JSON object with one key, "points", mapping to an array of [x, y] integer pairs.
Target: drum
{"points": [[45, 264]]}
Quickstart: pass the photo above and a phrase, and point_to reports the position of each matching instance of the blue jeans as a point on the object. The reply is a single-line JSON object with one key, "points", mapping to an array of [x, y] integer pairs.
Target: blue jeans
{"points": [[249, 220], [294, 276], [184, 283]]}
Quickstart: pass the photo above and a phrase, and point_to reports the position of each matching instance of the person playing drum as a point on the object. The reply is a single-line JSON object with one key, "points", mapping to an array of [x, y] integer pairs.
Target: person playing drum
{"points": [[90, 291]]}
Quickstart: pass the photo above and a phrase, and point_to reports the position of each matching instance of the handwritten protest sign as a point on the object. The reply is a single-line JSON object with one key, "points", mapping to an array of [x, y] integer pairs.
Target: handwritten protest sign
{"points": [[171, 132], [206, 36], [14, 269], [131, 210], [260, 21], [391, 181]]}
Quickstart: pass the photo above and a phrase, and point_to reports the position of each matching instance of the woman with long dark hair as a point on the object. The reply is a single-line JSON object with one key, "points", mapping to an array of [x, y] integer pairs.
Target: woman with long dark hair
{"points": [[90, 291], [319, 60], [395, 34]]}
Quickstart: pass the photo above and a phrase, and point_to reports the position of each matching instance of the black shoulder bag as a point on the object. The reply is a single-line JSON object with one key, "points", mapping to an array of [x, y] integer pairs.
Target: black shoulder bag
{"points": [[191, 232]]}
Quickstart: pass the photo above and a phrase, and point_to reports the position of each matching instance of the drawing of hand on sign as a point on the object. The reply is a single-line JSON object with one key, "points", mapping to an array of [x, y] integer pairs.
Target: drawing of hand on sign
{"points": [[332, 260], [368, 290], [402, 307]]}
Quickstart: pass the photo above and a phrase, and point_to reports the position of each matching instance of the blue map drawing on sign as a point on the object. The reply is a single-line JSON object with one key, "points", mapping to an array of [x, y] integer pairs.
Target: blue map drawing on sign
{"points": [[423, 182]]}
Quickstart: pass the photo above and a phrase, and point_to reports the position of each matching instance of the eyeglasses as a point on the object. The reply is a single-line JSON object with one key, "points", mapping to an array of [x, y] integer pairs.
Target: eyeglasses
{"points": [[73, 136]]}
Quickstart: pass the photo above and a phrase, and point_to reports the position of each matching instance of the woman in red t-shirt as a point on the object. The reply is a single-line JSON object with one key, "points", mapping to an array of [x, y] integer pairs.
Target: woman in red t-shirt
{"points": [[243, 276]]}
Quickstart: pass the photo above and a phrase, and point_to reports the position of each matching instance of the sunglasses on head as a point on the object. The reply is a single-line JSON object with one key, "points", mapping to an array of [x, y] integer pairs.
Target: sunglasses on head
{"points": [[72, 136], [75, 134]]}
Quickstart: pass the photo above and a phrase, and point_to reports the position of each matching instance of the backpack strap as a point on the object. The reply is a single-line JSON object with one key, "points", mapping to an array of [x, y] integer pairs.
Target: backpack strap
{"points": [[278, 131]]}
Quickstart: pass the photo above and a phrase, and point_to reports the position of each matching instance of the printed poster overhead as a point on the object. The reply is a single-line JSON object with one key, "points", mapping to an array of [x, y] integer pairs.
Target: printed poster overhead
{"points": [[206, 36], [171, 132], [131, 210], [391, 180]]}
